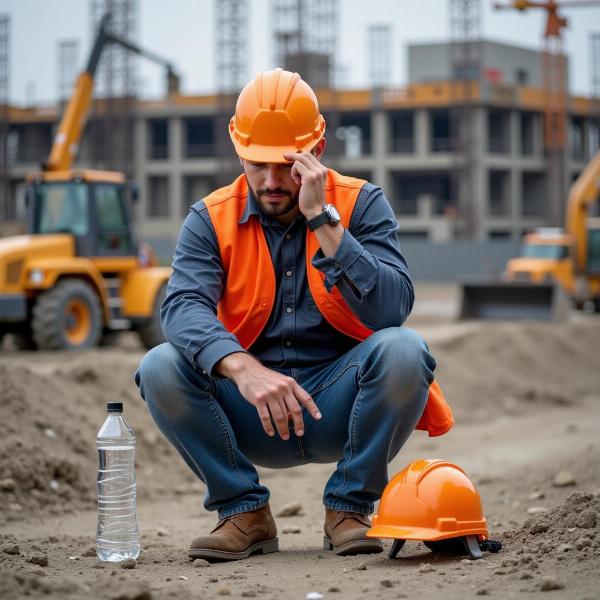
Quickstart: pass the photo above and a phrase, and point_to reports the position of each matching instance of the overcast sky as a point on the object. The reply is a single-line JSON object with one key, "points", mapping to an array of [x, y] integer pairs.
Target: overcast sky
{"points": [[183, 30]]}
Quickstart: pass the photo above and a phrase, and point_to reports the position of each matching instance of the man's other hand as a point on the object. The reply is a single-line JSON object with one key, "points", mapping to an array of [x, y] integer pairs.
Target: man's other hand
{"points": [[272, 394]]}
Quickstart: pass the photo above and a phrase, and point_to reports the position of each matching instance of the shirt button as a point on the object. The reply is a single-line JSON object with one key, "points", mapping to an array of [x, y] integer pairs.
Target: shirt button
{"points": [[288, 273], [288, 343], [288, 236], [288, 310]]}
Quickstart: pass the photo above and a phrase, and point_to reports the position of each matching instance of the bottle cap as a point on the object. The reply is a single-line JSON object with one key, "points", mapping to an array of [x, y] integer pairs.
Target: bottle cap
{"points": [[114, 407]]}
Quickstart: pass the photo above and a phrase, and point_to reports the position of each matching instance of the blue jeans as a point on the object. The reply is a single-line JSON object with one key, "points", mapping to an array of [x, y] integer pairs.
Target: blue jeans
{"points": [[371, 399]]}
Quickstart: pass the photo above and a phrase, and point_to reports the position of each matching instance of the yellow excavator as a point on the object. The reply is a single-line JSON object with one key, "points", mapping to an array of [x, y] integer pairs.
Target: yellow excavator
{"points": [[80, 274], [554, 265]]}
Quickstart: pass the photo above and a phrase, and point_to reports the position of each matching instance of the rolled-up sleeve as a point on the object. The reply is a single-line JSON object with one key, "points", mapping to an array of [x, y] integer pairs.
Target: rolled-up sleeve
{"points": [[189, 312], [368, 267]]}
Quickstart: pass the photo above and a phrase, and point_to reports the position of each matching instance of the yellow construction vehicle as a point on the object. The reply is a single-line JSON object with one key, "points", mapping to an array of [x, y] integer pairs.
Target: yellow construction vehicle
{"points": [[80, 274], [554, 263]]}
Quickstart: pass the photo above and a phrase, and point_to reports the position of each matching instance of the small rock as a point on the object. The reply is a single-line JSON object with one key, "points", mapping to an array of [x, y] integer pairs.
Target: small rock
{"points": [[38, 559], [582, 543], [537, 495], [536, 510], [183, 578], [549, 583], [91, 551], [536, 528], [563, 479], [200, 562], [50, 433], [291, 529], [290, 510], [334, 589], [73, 557], [249, 594], [564, 548], [525, 575], [224, 592], [8, 484], [481, 592], [162, 532], [387, 583], [586, 519], [426, 568], [213, 579], [361, 567], [128, 564], [15, 507], [11, 549], [313, 596], [485, 480]]}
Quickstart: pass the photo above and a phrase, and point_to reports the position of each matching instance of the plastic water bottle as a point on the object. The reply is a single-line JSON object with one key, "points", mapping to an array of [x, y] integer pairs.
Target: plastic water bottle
{"points": [[117, 536]]}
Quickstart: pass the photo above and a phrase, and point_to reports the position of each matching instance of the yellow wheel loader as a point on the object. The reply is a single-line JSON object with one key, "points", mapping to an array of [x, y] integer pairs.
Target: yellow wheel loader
{"points": [[555, 266], [80, 273]]}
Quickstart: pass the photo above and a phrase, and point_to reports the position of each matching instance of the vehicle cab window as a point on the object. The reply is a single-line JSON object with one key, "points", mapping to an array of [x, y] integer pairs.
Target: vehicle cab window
{"points": [[114, 236]]}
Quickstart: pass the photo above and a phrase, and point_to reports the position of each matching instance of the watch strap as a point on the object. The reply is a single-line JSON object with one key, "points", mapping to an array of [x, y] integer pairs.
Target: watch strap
{"points": [[318, 221]]}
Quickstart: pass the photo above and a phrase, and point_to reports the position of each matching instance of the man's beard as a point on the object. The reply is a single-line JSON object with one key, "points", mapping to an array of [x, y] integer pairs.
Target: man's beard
{"points": [[276, 209]]}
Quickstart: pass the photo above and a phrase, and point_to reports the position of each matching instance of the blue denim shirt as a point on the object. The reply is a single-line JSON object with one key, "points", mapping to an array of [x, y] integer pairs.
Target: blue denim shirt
{"points": [[368, 269]]}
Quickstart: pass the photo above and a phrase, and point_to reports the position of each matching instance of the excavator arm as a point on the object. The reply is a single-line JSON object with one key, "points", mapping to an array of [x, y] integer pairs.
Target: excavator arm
{"points": [[66, 142], [584, 192]]}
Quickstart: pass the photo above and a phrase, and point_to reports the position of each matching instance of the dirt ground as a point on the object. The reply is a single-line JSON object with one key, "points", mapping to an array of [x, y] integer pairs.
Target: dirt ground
{"points": [[526, 398]]}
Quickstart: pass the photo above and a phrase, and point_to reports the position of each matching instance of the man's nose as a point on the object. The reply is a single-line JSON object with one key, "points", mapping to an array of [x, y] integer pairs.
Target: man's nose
{"points": [[273, 179]]}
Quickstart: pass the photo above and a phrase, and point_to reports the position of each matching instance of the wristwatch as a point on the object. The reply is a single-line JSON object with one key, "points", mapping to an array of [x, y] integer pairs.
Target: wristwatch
{"points": [[329, 215]]}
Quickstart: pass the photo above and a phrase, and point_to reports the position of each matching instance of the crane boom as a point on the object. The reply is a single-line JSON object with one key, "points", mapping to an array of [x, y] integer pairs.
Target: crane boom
{"points": [[66, 142]]}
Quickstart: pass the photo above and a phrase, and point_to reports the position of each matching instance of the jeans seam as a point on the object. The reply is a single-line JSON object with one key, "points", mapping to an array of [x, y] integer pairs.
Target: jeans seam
{"points": [[231, 454], [247, 507], [352, 440], [335, 377]]}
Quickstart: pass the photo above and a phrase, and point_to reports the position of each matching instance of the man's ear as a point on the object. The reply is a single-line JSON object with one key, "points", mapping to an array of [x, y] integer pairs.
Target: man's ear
{"points": [[319, 149]]}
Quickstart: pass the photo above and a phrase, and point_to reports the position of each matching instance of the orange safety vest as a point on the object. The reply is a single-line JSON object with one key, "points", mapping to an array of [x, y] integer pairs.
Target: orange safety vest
{"points": [[249, 294]]}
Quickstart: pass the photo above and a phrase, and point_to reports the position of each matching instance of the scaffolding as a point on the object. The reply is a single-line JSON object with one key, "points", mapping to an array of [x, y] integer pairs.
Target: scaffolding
{"points": [[68, 64], [231, 74], [112, 120], [380, 52], [305, 34], [465, 65], [7, 207]]}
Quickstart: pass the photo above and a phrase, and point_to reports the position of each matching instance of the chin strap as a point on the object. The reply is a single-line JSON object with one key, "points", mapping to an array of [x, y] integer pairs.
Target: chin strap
{"points": [[470, 545]]}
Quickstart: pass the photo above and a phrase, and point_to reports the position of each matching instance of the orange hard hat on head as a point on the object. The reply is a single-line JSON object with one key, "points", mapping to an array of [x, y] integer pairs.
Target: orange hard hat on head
{"points": [[430, 500], [276, 112]]}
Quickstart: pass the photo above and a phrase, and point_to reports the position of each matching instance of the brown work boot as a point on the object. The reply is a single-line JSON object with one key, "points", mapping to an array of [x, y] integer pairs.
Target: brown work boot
{"points": [[238, 536], [346, 533]]}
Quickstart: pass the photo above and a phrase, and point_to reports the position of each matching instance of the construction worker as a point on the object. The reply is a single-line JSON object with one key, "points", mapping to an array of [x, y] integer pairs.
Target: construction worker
{"points": [[284, 319]]}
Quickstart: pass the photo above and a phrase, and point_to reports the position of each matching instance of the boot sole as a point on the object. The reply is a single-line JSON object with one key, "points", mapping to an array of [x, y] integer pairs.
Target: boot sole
{"points": [[265, 547], [365, 546]]}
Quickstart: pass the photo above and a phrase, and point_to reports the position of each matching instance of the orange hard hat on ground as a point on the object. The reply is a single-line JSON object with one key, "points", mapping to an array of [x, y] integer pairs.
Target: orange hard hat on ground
{"points": [[276, 112], [431, 500]]}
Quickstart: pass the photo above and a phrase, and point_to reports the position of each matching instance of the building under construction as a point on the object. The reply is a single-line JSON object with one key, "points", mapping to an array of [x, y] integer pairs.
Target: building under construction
{"points": [[401, 139]]}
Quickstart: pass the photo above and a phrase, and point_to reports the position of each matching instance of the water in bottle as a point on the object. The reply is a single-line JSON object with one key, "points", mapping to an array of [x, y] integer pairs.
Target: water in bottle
{"points": [[117, 536]]}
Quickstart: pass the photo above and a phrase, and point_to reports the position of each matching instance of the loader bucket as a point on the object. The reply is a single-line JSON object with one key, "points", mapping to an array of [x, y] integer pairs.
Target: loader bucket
{"points": [[513, 301]]}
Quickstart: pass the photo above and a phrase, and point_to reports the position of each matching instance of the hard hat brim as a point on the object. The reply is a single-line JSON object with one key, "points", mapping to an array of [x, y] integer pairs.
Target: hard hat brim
{"points": [[269, 154], [420, 533]]}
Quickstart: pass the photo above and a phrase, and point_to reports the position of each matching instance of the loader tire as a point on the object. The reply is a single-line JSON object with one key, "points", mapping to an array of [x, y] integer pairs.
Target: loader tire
{"points": [[67, 317], [150, 332]]}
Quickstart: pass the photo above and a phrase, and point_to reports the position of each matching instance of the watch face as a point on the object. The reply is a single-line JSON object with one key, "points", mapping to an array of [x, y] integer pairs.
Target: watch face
{"points": [[332, 213]]}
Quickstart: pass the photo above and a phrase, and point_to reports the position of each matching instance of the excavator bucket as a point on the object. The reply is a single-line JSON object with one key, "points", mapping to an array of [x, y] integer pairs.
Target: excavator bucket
{"points": [[513, 301]]}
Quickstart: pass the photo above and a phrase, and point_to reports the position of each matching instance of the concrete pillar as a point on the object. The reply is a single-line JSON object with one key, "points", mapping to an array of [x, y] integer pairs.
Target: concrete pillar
{"points": [[422, 133], [480, 186], [175, 178], [140, 141], [380, 145]]}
